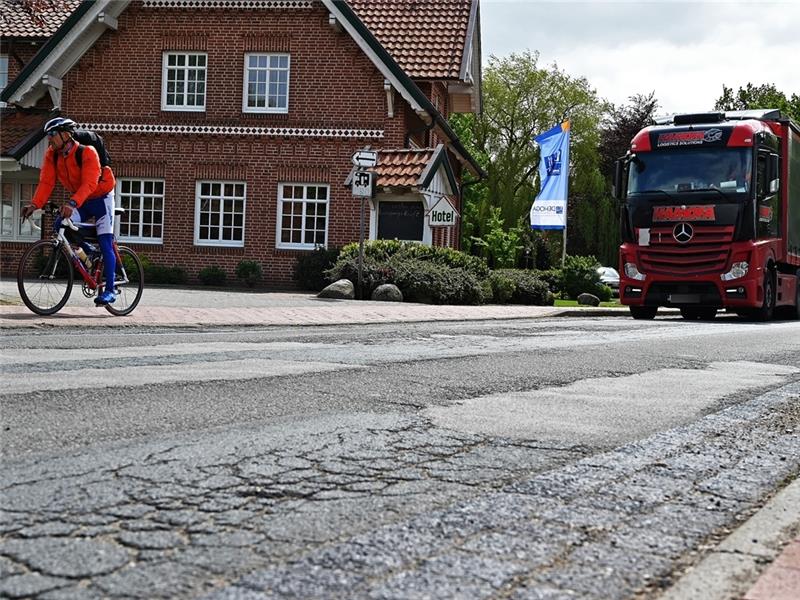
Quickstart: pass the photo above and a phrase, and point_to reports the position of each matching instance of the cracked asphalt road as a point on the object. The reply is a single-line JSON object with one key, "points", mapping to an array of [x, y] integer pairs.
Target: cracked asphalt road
{"points": [[409, 461]]}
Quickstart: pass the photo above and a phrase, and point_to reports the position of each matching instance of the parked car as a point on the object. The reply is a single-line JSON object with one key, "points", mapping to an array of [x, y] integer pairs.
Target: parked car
{"points": [[609, 277]]}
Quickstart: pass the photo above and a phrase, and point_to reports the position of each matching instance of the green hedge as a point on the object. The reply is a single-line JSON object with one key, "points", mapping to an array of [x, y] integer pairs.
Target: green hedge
{"points": [[383, 250], [437, 275], [249, 271], [527, 287], [310, 269], [163, 274], [431, 283], [212, 275], [579, 275]]}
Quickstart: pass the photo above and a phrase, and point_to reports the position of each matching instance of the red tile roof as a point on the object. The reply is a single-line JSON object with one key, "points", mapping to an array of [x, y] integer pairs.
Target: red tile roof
{"points": [[401, 168], [17, 126], [426, 37], [33, 18]]}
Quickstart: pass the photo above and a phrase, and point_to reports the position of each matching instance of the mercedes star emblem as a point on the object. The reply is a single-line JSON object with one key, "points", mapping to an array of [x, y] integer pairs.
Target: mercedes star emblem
{"points": [[683, 232]]}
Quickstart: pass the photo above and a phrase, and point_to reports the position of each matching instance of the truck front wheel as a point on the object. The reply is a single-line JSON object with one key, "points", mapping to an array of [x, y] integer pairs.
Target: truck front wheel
{"points": [[767, 309], [643, 312]]}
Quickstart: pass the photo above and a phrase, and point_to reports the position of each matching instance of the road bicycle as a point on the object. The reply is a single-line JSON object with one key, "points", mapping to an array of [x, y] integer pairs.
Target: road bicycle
{"points": [[46, 272]]}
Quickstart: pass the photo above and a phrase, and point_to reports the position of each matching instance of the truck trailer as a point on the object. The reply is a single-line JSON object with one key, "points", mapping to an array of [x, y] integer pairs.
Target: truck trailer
{"points": [[710, 216]]}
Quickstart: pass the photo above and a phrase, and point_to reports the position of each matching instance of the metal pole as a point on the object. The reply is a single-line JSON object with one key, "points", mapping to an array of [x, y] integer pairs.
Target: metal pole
{"points": [[564, 250], [361, 252]]}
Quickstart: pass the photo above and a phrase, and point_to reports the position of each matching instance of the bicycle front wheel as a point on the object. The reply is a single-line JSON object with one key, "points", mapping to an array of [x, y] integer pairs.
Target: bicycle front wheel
{"points": [[44, 277], [128, 281]]}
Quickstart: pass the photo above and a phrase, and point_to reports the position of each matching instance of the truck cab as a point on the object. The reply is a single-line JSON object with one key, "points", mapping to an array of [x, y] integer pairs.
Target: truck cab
{"points": [[705, 216]]}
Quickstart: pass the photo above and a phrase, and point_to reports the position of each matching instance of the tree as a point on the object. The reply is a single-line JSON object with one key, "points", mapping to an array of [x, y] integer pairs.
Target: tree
{"points": [[760, 96], [598, 218], [621, 124], [522, 100]]}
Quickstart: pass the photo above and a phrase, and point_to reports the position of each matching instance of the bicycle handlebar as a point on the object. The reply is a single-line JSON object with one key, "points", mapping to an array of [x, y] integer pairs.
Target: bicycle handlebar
{"points": [[53, 209]]}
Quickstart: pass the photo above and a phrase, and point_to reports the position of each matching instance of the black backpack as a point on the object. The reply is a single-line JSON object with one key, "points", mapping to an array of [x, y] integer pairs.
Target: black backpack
{"points": [[84, 137]]}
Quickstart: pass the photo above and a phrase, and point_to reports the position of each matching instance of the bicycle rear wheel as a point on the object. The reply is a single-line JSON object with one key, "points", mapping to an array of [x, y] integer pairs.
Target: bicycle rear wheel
{"points": [[44, 277], [128, 281]]}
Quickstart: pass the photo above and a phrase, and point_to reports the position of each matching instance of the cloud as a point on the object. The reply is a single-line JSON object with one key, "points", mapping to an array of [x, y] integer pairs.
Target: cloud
{"points": [[684, 52]]}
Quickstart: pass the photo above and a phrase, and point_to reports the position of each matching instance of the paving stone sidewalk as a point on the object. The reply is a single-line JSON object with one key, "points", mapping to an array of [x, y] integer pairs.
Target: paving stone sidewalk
{"points": [[187, 307]]}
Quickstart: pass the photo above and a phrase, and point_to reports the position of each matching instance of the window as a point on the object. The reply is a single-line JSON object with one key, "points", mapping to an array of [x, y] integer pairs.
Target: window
{"points": [[183, 85], [14, 197], [3, 74], [266, 83], [401, 220], [302, 216], [143, 201], [219, 213]]}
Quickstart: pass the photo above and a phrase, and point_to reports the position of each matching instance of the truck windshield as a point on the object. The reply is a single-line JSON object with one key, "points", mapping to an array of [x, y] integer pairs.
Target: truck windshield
{"points": [[685, 170]]}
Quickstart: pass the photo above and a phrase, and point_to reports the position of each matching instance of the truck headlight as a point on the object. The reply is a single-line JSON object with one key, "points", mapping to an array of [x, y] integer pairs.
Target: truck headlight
{"points": [[738, 270], [632, 271]]}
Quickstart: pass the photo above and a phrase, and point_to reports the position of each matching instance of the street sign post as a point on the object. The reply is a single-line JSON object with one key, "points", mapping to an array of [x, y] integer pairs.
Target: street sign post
{"points": [[362, 184], [363, 188], [365, 159]]}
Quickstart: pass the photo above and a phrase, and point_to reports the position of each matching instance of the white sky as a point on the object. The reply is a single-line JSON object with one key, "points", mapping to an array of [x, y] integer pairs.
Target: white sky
{"points": [[684, 51]]}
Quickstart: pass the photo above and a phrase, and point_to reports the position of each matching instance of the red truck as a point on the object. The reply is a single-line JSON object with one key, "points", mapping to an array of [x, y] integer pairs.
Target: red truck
{"points": [[710, 216]]}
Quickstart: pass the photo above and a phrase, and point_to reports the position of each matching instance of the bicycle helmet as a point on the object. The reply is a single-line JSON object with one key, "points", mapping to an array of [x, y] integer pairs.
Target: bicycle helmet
{"points": [[60, 124]]}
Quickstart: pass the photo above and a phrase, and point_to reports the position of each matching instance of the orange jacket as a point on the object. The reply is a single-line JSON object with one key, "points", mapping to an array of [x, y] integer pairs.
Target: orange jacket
{"points": [[88, 181]]}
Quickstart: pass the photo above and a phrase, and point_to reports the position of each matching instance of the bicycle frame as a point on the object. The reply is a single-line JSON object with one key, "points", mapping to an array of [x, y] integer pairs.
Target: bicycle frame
{"points": [[92, 281]]}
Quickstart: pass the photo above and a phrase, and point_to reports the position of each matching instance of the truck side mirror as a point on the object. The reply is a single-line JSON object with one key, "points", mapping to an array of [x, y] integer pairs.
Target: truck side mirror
{"points": [[774, 173], [619, 170]]}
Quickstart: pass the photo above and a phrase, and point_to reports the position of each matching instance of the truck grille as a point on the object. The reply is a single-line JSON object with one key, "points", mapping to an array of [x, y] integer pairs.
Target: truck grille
{"points": [[706, 252]]}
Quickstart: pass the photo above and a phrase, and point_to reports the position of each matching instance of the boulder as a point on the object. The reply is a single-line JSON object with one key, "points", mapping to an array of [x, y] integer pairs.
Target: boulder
{"points": [[588, 300], [388, 292], [341, 290]]}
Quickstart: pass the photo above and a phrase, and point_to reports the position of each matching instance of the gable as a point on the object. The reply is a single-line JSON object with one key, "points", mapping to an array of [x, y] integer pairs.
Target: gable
{"points": [[428, 39], [92, 18]]}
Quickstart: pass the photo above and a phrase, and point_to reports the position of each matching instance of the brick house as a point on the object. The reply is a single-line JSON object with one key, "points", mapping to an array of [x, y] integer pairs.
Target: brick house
{"points": [[231, 123]]}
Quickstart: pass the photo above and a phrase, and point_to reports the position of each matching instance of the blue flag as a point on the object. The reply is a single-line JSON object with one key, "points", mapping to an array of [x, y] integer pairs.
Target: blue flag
{"points": [[549, 210]]}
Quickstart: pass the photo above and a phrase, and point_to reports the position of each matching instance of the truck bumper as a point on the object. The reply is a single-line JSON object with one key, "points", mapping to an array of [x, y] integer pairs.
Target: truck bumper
{"points": [[745, 292]]}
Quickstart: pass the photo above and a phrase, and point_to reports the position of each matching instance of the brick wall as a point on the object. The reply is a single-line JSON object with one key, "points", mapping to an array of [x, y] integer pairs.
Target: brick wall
{"points": [[332, 85]]}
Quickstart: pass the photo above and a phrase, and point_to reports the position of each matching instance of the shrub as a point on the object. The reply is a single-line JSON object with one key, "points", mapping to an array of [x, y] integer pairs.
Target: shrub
{"points": [[212, 275], [528, 288], [502, 287], [383, 250], [580, 275], [249, 271], [487, 293], [162, 274], [604, 292], [420, 280], [423, 281], [552, 277], [310, 269], [374, 272]]}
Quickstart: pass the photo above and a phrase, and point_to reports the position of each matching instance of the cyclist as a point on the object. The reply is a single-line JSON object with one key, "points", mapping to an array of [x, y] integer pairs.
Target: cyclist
{"points": [[91, 191]]}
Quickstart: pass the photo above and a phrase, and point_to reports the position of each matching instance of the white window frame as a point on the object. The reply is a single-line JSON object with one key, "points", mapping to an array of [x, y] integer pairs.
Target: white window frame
{"points": [[270, 71], [141, 196], [17, 203], [279, 224], [3, 74], [164, 71], [222, 197]]}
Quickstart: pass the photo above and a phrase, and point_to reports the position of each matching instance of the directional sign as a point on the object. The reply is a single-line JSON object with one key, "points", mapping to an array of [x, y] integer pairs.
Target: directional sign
{"points": [[365, 158], [362, 184], [442, 214]]}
